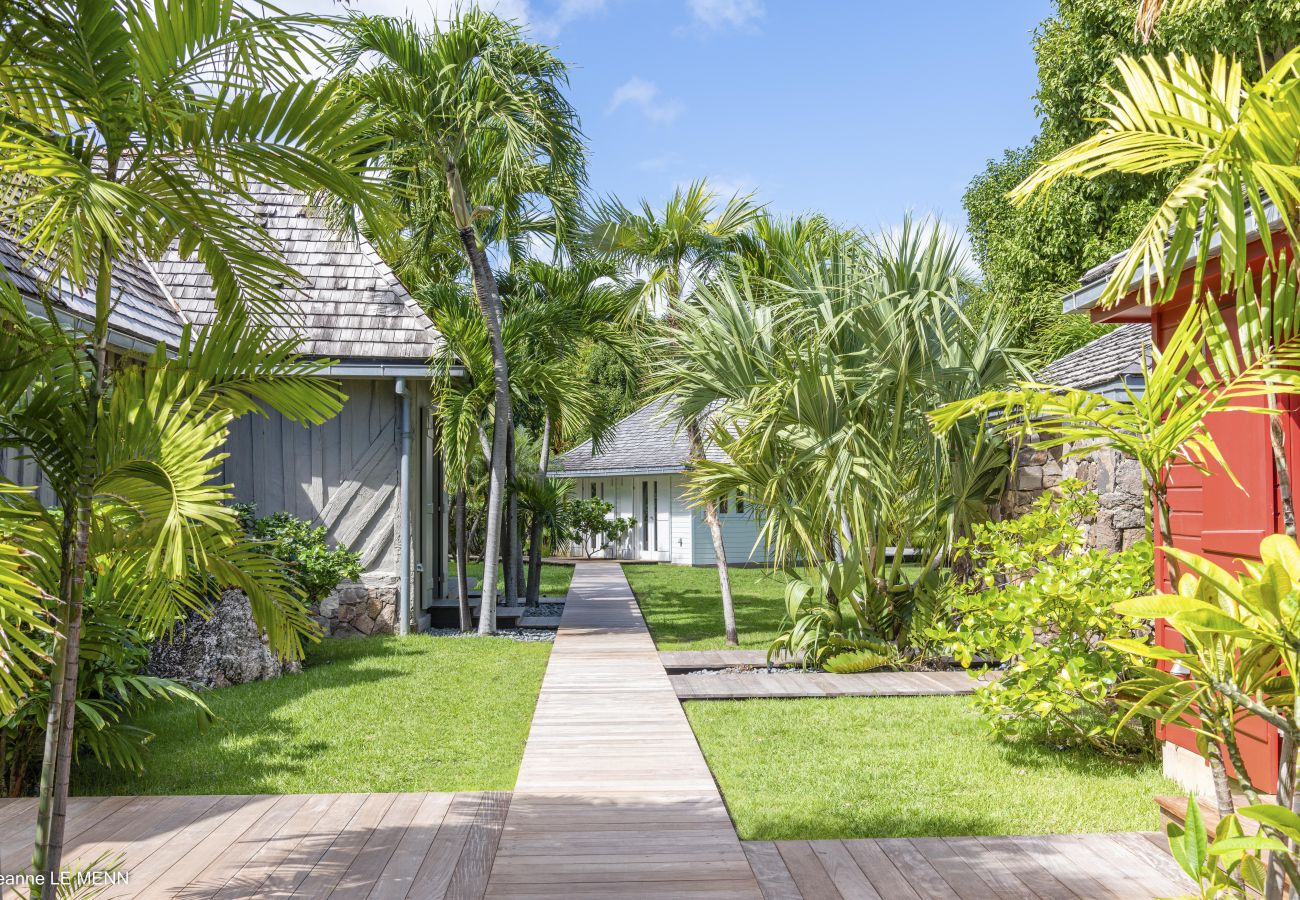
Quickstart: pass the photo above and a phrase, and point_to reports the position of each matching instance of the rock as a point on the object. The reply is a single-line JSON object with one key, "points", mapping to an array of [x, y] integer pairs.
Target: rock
{"points": [[1029, 478], [357, 608], [226, 648], [1129, 517], [1128, 478]]}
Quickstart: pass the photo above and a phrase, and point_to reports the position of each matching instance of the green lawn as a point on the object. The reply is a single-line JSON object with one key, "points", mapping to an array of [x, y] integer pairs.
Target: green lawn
{"points": [[375, 714], [859, 767], [555, 578], [683, 607]]}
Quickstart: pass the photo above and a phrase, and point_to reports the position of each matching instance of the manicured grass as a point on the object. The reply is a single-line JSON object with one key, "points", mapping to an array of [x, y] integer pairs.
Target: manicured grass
{"points": [[371, 714], [860, 767], [683, 606], [555, 578]]}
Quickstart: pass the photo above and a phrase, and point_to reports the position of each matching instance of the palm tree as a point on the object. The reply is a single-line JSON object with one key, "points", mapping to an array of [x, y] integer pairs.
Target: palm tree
{"points": [[482, 144], [551, 313], [127, 127], [675, 251], [818, 390], [586, 308]]}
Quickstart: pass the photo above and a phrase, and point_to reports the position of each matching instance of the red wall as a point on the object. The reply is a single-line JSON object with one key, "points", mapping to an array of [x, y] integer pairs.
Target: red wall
{"points": [[1212, 516]]}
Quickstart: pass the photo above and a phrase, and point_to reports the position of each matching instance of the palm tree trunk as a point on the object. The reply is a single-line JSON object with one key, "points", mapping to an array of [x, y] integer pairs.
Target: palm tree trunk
{"points": [[462, 563], [513, 554], [696, 442], [533, 592], [485, 289], [56, 765]]}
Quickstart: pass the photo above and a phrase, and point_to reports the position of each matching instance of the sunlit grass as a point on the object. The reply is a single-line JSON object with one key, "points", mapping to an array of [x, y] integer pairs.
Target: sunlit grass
{"points": [[683, 605], [860, 767], [371, 714]]}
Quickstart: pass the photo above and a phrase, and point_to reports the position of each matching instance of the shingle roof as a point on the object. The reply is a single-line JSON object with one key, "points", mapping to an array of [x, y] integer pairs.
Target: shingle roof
{"points": [[1106, 363], [141, 307], [647, 441], [350, 305]]}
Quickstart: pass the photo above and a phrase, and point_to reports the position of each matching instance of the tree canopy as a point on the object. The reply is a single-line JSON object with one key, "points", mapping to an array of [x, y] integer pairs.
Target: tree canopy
{"points": [[1034, 254]]}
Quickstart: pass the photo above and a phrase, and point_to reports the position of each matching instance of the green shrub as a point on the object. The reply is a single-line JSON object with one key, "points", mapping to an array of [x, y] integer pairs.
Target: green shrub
{"points": [[314, 567], [1041, 604]]}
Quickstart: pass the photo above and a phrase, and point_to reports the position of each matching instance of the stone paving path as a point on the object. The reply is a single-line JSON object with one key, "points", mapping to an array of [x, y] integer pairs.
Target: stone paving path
{"points": [[614, 797]]}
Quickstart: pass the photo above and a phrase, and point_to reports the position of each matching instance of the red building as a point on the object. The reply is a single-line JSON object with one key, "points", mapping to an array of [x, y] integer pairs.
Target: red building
{"points": [[1210, 515]]}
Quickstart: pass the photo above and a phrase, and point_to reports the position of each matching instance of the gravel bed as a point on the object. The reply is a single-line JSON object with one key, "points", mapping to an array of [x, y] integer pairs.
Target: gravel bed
{"points": [[751, 670], [536, 635], [544, 610]]}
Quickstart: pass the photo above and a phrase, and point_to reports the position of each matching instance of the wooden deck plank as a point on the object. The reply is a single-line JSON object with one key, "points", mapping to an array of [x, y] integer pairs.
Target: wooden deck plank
{"points": [[880, 870], [245, 845], [334, 862], [470, 878], [745, 686], [1002, 875], [185, 871], [294, 868], [922, 876], [844, 872], [249, 880], [769, 868], [435, 872], [395, 881], [965, 881], [358, 880], [157, 868], [809, 875]]}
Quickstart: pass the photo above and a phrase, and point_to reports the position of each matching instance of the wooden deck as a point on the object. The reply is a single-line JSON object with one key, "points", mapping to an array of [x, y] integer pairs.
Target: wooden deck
{"points": [[387, 846], [614, 797], [690, 660], [743, 686], [1052, 867]]}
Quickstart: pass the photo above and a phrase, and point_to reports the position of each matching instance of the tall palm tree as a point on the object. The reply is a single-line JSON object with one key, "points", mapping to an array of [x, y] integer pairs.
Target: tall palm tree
{"points": [[126, 127], [482, 144], [674, 251]]}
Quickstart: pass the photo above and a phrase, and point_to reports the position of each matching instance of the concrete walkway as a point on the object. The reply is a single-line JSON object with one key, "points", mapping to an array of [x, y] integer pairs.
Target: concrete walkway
{"points": [[614, 797]]}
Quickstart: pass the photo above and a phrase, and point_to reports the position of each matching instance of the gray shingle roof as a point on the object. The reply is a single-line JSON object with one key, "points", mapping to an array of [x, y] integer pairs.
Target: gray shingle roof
{"points": [[141, 307], [1106, 363], [647, 441], [350, 305]]}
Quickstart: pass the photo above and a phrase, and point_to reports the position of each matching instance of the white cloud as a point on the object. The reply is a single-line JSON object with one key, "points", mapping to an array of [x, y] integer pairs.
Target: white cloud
{"points": [[722, 14], [645, 96]]}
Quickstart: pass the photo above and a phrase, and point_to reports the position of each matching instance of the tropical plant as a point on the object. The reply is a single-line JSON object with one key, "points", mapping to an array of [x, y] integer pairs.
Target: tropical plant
{"points": [[112, 690], [1242, 646], [817, 393], [482, 145], [675, 251], [547, 505], [128, 127], [315, 567], [1040, 605]]}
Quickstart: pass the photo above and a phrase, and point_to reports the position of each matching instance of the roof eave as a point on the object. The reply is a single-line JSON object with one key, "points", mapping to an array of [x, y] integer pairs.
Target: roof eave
{"points": [[1085, 298], [613, 473]]}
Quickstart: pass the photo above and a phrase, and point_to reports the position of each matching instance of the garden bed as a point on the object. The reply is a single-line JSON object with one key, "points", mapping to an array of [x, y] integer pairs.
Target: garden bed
{"points": [[866, 767], [420, 713]]}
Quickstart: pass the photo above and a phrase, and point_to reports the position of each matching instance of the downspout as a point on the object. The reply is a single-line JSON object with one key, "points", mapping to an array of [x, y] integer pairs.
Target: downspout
{"points": [[404, 501]]}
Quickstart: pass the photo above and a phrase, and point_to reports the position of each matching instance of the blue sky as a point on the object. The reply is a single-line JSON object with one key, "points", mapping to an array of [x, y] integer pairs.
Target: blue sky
{"points": [[862, 109]]}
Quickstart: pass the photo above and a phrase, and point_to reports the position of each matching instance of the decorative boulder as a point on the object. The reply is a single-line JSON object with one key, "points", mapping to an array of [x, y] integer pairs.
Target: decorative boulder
{"points": [[225, 648]]}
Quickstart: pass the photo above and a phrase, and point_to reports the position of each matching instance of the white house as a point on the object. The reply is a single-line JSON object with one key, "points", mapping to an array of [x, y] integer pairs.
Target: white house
{"points": [[641, 469]]}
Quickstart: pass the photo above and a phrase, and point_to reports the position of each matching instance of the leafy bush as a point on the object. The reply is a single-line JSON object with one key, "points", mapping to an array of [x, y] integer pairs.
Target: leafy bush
{"points": [[589, 524], [314, 567], [1042, 604]]}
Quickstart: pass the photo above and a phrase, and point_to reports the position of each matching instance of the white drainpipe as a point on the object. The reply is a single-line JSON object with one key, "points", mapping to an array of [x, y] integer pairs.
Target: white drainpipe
{"points": [[404, 501]]}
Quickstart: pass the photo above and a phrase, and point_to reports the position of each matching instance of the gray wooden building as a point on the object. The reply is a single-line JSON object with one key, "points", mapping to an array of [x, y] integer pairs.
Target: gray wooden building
{"points": [[371, 475]]}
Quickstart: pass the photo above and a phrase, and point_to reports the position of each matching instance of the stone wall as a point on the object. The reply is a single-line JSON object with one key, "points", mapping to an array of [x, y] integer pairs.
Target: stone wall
{"points": [[1117, 480], [356, 609]]}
